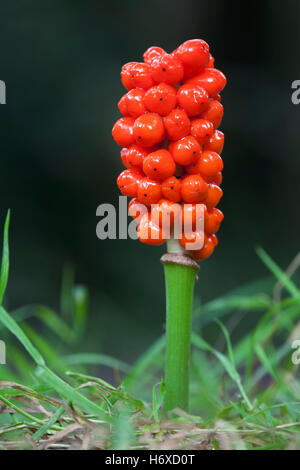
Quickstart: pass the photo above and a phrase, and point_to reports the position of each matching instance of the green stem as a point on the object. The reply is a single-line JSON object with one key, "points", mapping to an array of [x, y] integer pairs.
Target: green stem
{"points": [[180, 272]]}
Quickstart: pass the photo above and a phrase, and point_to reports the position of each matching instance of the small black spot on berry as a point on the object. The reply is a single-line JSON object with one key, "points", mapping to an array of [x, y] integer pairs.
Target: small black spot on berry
{"points": [[172, 187], [160, 99], [155, 169], [145, 195], [163, 69]]}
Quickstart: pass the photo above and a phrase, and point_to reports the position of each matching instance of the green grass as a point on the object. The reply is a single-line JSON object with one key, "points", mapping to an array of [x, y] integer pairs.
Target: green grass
{"points": [[244, 393]]}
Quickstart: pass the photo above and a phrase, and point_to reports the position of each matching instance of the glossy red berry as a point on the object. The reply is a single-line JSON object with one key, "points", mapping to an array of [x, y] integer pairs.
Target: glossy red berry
{"points": [[193, 99], [214, 113], [207, 250], [213, 196], [161, 99], [122, 131], [216, 142], [177, 124], [210, 163], [193, 189], [194, 55], [212, 222], [136, 209], [192, 216], [165, 213], [124, 157], [171, 189], [136, 75], [152, 53], [149, 191], [134, 102], [122, 105], [212, 80], [202, 130], [128, 182], [150, 233], [149, 129], [185, 150], [167, 69], [159, 165], [211, 62], [135, 155], [193, 240]]}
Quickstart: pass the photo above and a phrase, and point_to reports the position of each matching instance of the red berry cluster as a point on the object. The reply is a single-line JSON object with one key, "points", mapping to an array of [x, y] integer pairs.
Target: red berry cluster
{"points": [[171, 142]]}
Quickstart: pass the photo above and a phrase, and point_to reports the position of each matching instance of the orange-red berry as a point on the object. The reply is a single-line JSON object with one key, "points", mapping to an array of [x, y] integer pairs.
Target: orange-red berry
{"points": [[135, 155], [193, 189], [193, 240], [211, 79], [136, 75], [194, 55], [202, 130], [128, 182], [171, 189], [212, 222], [213, 196], [167, 69], [185, 150], [152, 53], [216, 142], [165, 213], [149, 129], [210, 163], [177, 124], [193, 99], [150, 233], [161, 99], [132, 104], [214, 113], [149, 191], [136, 209], [206, 251], [159, 165], [122, 131]]}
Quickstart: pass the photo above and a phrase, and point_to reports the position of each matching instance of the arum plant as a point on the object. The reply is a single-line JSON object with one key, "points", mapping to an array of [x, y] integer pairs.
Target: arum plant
{"points": [[171, 150]]}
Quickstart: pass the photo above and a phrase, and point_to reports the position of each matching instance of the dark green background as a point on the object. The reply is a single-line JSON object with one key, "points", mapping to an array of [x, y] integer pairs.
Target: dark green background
{"points": [[61, 61]]}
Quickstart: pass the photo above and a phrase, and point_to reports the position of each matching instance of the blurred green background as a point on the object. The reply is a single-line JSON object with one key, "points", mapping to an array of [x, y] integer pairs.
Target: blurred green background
{"points": [[61, 61]]}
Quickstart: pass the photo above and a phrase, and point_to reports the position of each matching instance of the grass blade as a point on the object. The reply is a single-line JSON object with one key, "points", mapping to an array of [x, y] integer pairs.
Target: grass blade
{"points": [[5, 259]]}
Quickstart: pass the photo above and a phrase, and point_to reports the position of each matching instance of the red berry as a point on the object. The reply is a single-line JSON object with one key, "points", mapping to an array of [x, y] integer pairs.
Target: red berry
{"points": [[122, 131], [177, 124], [218, 178], [171, 189], [165, 213], [202, 130], [192, 240], [150, 233], [149, 129], [214, 113], [185, 150], [193, 99], [135, 155], [216, 142], [210, 163], [192, 216], [135, 102], [193, 189], [136, 75], [124, 157], [152, 53], [159, 165], [213, 219], [167, 69], [206, 251], [128, 182], [161, 99], [212, 80], [213, 196], [136, 210], [211, 62], [149, 191], [122, 105], [194, 55]]}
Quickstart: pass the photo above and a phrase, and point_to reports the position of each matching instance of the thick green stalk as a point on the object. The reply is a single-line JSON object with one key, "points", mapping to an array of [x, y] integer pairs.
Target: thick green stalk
{"points": [[180, 272]]}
